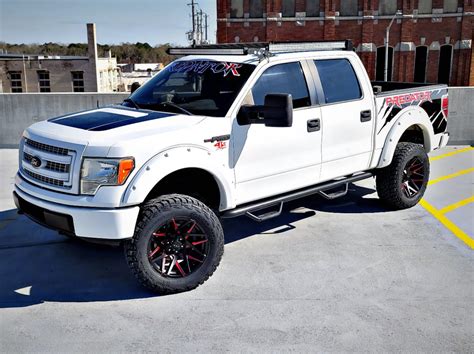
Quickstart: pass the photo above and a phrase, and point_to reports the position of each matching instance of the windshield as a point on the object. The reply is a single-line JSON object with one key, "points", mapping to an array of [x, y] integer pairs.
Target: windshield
{"points": [[201, 87]]}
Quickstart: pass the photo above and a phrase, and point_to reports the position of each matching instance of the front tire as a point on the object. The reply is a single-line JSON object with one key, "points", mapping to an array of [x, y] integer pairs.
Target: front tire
{"points": [[177, 245], [402, 184]]}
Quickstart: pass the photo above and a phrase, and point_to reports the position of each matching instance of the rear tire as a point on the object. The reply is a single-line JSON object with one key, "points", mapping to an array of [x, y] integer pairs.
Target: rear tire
{"points": [[177, 245], [402, 184]]}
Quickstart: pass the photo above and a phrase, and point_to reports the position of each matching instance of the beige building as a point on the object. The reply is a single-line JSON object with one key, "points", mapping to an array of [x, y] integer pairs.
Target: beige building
{"points": [[41, 73]]}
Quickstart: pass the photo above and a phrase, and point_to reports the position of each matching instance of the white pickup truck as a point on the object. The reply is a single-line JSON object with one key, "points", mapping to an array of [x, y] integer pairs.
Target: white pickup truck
{"points": [[225, 131]]}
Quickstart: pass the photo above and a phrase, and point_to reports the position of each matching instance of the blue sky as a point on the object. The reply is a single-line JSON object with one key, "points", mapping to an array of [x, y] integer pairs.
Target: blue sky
{"points": [[117, 21]]}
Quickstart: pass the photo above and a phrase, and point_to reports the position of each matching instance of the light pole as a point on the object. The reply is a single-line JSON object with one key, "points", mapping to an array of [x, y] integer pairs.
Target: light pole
{"points": [[387, 37]]}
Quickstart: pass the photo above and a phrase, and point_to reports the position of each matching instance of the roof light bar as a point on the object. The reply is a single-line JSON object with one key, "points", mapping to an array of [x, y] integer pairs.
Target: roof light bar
{"points": [[309, 46], [207, 51]]}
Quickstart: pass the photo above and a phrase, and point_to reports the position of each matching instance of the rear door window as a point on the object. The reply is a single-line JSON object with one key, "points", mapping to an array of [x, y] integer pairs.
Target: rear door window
{"points": [[338, 79], [283, 78]]}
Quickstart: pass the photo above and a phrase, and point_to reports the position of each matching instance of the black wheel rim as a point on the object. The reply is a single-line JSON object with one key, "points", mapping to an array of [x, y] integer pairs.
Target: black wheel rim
{"points": [[178, 248], [413, 177]]}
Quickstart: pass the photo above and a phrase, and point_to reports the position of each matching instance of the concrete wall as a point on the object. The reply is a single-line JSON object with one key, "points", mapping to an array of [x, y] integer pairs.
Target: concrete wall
{"points": [[461, 115], [18, 111]]}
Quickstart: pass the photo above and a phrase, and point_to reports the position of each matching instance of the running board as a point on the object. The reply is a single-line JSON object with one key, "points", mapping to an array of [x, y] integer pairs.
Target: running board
{"points": [[335, 195], [249, 208]]}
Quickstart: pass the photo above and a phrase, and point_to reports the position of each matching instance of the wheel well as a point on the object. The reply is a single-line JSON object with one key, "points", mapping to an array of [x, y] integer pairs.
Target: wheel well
{"points": [[413, 134], [194, 182]]}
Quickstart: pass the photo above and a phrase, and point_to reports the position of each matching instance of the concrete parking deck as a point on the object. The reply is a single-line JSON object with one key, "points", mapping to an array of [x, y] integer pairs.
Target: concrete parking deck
{"points": [[342, 275]]}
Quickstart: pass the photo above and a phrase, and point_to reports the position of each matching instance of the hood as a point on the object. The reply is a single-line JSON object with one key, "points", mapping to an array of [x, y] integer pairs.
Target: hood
{"points": [[108, 118]]}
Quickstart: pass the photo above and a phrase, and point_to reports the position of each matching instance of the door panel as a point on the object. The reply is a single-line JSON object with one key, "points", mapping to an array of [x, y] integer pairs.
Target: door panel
{"points": [[272, 160], [347, 121]]}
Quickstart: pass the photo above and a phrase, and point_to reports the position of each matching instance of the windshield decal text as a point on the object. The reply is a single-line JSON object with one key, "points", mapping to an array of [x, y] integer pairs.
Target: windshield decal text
{"points": [[200, 67]]}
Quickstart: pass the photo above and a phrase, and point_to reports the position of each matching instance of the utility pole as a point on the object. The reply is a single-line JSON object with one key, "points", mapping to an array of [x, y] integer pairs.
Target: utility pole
{"points": [[387, 38], [194, 23]]}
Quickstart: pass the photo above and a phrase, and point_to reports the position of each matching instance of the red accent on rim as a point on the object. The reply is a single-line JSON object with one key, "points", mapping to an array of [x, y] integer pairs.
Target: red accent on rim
{"points": [[198, 242], [159, 234], [180, 269], [154, 252], [175, 225], [193, 259]]}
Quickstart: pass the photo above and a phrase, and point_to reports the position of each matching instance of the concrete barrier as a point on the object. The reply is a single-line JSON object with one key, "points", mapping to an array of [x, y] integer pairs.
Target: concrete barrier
{"points": [[18, 111], [461, 115]]}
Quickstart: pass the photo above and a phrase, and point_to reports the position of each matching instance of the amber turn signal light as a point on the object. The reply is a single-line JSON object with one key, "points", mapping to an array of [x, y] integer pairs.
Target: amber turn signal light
{"points": [[124, 169]]}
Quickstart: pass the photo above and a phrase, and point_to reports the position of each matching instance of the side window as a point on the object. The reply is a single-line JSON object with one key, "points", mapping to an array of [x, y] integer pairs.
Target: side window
{"points": [[339, 80], [283, 78]]}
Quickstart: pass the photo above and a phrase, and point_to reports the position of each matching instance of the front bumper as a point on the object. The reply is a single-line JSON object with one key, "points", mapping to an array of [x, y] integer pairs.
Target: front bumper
{"points": [[97, 223]]}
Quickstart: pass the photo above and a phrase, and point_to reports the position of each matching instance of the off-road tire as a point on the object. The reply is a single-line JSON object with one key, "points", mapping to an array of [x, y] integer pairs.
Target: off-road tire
{"points": [[389, 179], [154, 213]]}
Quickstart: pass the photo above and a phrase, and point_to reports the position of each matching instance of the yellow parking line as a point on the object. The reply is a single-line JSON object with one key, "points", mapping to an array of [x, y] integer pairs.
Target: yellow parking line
{"points": [[448, 224], [457, 174], [456, 205], [455, 152]]}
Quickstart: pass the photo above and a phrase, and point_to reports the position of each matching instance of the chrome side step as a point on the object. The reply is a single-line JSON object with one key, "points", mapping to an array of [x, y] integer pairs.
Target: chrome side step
{"points": [[249, 209]]}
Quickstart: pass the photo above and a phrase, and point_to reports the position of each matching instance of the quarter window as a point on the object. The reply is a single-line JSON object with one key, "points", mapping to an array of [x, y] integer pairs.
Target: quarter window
{"points": [[15, 80], [338, 80], [283, 78]]}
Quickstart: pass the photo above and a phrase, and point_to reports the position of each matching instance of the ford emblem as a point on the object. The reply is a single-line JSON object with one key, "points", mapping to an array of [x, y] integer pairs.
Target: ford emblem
{"points": [[35, 162]]}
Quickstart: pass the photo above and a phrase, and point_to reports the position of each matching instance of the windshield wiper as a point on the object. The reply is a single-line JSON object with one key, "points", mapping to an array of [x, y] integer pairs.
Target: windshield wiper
{"points": [[171, 104], [132, 102]]}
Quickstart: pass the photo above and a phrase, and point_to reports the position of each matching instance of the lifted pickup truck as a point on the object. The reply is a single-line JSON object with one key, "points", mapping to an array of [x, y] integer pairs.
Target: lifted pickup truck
{"points": [[225, 131]]}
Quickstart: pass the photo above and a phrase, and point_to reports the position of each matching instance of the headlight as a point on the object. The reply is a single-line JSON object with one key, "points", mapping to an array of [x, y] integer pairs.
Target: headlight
{"points": [[97, 172]]}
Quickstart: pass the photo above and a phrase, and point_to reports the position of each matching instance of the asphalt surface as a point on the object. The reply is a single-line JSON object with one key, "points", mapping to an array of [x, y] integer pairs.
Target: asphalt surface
{"points": [[342, 275]]}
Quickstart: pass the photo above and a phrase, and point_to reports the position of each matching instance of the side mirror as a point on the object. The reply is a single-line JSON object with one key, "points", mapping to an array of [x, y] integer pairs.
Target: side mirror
{"points": [[276, 112]]}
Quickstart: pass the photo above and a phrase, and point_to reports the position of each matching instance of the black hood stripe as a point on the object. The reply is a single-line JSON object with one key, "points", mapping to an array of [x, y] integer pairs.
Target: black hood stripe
{"points": [[108, 118]]}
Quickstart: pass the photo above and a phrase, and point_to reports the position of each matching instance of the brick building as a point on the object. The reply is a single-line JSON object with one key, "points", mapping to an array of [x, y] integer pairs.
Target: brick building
{"points": [[430, 42]]}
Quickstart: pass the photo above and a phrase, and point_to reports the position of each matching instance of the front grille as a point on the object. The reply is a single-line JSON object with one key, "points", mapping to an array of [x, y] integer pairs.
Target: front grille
{"points": [[47, 148], [56, 166], [44, 179], [55, 169], [50, 165]]}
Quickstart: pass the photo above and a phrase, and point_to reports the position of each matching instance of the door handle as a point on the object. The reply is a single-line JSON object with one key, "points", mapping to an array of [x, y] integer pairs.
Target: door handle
{"points": [[313, 125], [365, 116]]}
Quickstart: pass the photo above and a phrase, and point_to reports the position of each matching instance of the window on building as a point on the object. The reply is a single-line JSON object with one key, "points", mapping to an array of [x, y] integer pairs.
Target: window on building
{"points": [[43, 81], [348, 8], [15, 81], [237, 8], [387, 7], [444, 69], [380, 65], [256, 8], [312, 8], [338, 79], [283, 78], [425, 6], [421, 56], [450, 6], [288, 8], [77, 81]]}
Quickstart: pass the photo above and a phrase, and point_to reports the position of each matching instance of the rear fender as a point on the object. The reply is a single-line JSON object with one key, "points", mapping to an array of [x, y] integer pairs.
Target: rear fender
{"points": [[409, 116], [172, 160]]}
